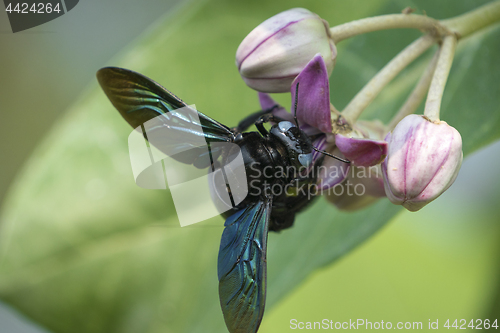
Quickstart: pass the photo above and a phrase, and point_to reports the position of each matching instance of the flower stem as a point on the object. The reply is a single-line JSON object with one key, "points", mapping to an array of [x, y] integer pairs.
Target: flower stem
{"points": [[383, 22], [433, 102], [417, 95], [371, 90], [474, 20], [462, 25]]}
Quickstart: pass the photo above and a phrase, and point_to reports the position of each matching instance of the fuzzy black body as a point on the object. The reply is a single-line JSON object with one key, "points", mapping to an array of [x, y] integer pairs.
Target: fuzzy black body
{"points": [[270, 171]]}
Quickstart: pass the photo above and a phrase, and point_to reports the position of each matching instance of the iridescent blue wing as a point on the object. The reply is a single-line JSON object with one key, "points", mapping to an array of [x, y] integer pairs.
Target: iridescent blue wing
{"points": [[242, 267], [140, 100]]}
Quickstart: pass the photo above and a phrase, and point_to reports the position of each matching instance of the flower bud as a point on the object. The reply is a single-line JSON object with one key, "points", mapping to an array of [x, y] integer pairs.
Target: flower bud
{"points": [[275, 52], [423, 161]]}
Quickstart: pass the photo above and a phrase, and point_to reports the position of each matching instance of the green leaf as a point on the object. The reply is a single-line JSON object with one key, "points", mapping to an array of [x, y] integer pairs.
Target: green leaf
{"points": [[83, 249]]}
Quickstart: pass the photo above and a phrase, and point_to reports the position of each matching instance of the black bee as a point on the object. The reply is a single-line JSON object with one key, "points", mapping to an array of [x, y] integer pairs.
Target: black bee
{"points": [[242, 254]]}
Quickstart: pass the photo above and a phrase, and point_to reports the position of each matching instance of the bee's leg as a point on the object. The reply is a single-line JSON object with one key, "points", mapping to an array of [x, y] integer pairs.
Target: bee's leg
{"points": [[265, 119], [252, 119]]}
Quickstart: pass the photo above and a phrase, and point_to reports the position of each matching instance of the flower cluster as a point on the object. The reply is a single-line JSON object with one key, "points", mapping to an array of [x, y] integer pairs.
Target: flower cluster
{"points": [[411, 164]]}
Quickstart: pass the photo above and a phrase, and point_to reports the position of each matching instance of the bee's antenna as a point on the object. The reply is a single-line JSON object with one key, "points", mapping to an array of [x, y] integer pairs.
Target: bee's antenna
{"points": [[328, 154], [297, 123], [296, 101]]}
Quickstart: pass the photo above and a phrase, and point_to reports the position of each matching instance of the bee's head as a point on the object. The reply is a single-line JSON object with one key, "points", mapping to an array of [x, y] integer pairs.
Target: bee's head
{"points": [[297, 144]]}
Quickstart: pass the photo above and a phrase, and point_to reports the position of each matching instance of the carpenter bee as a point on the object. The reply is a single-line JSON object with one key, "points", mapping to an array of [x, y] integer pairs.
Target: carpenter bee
{"points": [[242, 254]]}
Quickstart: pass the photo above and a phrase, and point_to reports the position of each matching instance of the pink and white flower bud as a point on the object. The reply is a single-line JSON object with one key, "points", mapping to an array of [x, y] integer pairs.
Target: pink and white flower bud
{"points": [[275, 52], [423, 161]]}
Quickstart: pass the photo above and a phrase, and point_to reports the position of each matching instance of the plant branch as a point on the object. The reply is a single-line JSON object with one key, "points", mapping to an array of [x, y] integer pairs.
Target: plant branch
{"points": [[436, 90], [474, 20], [384, 22], [371, 90], [417, 95], [462, 25]]}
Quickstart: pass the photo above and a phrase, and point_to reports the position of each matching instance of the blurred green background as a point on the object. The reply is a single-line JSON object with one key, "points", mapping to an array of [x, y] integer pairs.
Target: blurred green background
{"points": [[440, 263]]}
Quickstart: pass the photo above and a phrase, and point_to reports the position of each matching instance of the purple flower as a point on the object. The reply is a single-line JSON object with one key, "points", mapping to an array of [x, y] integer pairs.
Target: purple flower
{"points": [[362, 151], [332, 172], [313, 103], [365, 149], [276, 51], [314, 117], [423, 161]]}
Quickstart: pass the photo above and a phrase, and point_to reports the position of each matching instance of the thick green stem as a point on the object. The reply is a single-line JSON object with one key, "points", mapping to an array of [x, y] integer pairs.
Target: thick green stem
{"points": [[384, 22], [371, 90], [462, 25], [475, 20], [436, 90], [417, 95]]}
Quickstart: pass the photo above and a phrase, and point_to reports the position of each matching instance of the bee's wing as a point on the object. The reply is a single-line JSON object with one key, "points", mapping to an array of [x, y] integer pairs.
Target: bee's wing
{"points": [[142, 101], [242, 267]]}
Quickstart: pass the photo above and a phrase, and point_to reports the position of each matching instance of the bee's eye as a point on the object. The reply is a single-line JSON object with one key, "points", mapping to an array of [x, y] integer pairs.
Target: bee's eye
{"points": [[305, 159], [285, 126]]}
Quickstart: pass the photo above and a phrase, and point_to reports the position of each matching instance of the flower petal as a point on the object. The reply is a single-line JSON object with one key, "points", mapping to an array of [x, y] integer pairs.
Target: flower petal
{"points": [[267, 102], [362, 152], [331, 172], [313, 103]]}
